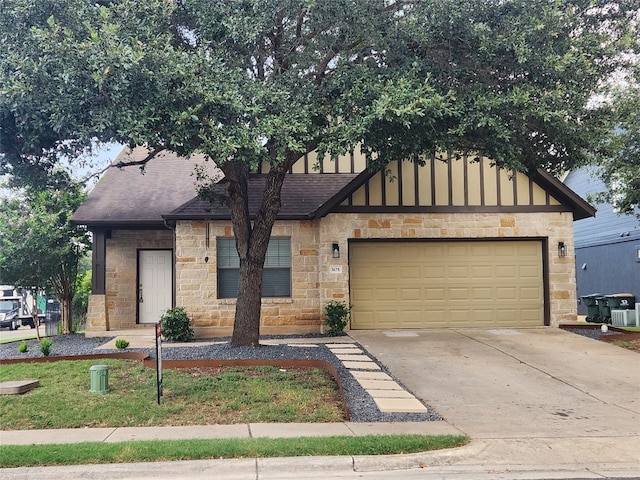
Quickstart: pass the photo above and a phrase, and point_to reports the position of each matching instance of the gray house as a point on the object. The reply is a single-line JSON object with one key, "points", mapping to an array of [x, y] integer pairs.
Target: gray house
{"points": [[607, 246]]}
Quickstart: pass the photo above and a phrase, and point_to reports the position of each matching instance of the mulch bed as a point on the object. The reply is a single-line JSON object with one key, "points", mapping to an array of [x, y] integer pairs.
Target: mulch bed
{"points": [[617, 336]]}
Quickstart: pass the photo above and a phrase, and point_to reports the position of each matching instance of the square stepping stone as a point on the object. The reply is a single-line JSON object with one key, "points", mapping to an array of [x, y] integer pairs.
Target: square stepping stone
{"points": [[361, 365], [354, 358], [17, 387], [370, 376], [400, 405], [389, 394], [331, 346], [379, 385], [346, 351]]}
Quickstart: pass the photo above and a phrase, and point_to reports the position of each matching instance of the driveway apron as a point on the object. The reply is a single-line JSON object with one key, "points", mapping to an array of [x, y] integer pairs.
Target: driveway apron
{"points": [[516, 385]]}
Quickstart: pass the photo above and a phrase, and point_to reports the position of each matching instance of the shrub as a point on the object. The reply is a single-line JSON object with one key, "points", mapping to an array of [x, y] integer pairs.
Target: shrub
{"points": [[22, 348], [45, 346], [176, 325], [336, 315], [121, 343]]}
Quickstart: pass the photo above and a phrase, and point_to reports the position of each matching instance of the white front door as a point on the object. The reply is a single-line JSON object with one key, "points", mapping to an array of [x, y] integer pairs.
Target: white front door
{"points": [[155, 274]]}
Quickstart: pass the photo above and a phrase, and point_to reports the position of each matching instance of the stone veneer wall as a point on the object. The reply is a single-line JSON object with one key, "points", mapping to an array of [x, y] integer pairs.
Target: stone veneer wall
{"points": [[317, 277], [196, 280], [117, 308]]}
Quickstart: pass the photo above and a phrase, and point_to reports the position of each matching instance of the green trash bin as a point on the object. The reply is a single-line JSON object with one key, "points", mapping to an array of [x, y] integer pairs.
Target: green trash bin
{"points": [[99, 378], [605, 311], [621, 301], [593, 310]]}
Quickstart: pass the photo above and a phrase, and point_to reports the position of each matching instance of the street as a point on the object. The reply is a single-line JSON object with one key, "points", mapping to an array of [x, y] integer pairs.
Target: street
{"points": [[23, 333]]}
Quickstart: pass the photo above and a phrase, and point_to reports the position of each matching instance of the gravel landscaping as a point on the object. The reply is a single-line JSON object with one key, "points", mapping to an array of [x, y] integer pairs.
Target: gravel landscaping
{"points": [[361, 406]]}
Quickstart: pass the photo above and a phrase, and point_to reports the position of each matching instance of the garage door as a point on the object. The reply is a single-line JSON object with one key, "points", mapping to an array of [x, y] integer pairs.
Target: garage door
{"points": [[446, 284]]}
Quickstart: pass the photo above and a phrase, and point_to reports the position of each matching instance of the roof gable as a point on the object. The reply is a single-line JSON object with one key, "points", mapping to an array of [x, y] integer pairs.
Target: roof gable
{"points": [[129, 197], [450, 184]]}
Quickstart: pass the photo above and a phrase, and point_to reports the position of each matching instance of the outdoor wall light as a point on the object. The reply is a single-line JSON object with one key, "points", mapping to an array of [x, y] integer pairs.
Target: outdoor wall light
{"points": [[336, 250], [562, 249]]}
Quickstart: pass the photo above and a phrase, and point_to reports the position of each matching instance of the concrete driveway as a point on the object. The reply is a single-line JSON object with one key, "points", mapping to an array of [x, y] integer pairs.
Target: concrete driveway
{"points": [[540, 395]]}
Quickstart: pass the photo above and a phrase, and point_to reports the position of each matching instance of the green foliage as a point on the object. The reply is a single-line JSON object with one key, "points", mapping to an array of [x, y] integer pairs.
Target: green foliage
{"points": [[22, 348], [80, 302], [336, 316], [121, 343], [620, 170], [45, 346], [39, 247], [176, 325]]}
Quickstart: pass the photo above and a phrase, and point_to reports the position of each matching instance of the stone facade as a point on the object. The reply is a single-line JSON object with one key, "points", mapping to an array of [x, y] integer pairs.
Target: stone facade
{"points": [[117, 308], [316, 276]]}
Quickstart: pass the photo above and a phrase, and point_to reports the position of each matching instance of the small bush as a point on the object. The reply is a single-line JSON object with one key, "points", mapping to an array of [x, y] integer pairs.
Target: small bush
{"points": [[176, 325], [45, 346], [336, 315], [22, 348], [121, 343]]}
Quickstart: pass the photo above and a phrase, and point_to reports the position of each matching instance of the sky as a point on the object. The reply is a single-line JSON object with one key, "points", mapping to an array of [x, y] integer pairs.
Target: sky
{"points": [[84, 166]]}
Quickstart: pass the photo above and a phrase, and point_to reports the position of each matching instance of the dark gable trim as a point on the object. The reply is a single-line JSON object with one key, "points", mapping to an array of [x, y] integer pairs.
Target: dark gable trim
{"points": [[569, 200], [580, 207], [334, 202], [453, 209]]}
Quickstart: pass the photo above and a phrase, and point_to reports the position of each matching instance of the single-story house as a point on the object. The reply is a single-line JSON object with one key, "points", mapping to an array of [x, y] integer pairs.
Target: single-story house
{"points": [[607, 246], [454, 243]]}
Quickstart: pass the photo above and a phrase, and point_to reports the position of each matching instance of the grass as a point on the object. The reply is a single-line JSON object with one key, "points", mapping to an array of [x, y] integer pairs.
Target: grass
{"points": [[165, 450], [196, 396]]}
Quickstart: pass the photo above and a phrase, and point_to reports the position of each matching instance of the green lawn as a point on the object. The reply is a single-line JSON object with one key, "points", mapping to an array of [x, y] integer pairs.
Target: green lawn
{"points": [[150, 451], [197, 396]]}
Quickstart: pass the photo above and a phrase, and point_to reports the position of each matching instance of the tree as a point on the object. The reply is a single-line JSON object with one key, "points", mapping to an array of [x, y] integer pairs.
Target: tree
{"points": [[39, 248], [250, 82], [620, 168]]}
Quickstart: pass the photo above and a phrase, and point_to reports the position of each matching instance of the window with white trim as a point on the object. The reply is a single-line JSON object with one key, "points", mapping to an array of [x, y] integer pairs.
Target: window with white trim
{"points": [[276, 276]]}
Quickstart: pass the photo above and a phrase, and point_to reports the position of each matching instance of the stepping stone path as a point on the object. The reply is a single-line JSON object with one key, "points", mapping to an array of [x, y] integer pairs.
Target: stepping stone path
{"points": [[388, 395]]}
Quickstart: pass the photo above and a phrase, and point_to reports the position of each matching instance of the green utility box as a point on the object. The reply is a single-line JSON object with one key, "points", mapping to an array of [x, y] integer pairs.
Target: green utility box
{"points": [[593, 311], [99, 378]]}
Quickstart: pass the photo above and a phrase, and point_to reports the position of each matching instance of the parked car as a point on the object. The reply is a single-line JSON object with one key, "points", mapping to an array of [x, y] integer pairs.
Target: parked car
{"points": [[10, 313]]}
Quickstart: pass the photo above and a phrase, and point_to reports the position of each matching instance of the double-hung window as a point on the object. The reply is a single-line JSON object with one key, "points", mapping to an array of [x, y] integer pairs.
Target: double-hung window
{"points": [[276, 276]]}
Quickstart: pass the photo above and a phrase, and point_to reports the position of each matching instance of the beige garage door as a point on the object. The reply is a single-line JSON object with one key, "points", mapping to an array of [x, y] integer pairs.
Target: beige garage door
{"points": [[446, 284]]}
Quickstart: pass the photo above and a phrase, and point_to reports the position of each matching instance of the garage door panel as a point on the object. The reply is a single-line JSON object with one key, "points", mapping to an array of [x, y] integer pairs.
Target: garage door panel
{"points": [[458, 271], [481, 293], [506, 272], [482, 271], [446, 284], [531, 293], [409, 294]]}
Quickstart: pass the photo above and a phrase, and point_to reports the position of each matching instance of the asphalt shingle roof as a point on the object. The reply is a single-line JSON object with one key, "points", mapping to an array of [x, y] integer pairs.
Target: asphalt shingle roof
{"points": [[128, 197], [302, 195]]}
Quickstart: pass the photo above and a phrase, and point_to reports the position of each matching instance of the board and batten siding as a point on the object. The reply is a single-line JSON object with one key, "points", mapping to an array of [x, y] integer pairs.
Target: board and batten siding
{"points": [[450, 184]]}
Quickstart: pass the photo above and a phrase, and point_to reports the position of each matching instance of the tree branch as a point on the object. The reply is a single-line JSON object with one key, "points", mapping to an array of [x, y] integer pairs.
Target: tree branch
{"points": [[141, 163]]}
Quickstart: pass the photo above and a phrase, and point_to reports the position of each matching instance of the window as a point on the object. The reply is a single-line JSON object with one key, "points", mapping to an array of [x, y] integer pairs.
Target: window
{"points": [[276, 276]]}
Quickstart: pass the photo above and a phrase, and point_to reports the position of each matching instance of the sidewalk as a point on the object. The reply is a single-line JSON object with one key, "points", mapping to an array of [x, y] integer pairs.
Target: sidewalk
{"points": [[252, 430]]}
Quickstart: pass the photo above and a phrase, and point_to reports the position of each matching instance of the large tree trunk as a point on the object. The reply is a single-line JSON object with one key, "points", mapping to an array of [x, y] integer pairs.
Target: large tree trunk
{"points": [[246, 326], [252, 241]]}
